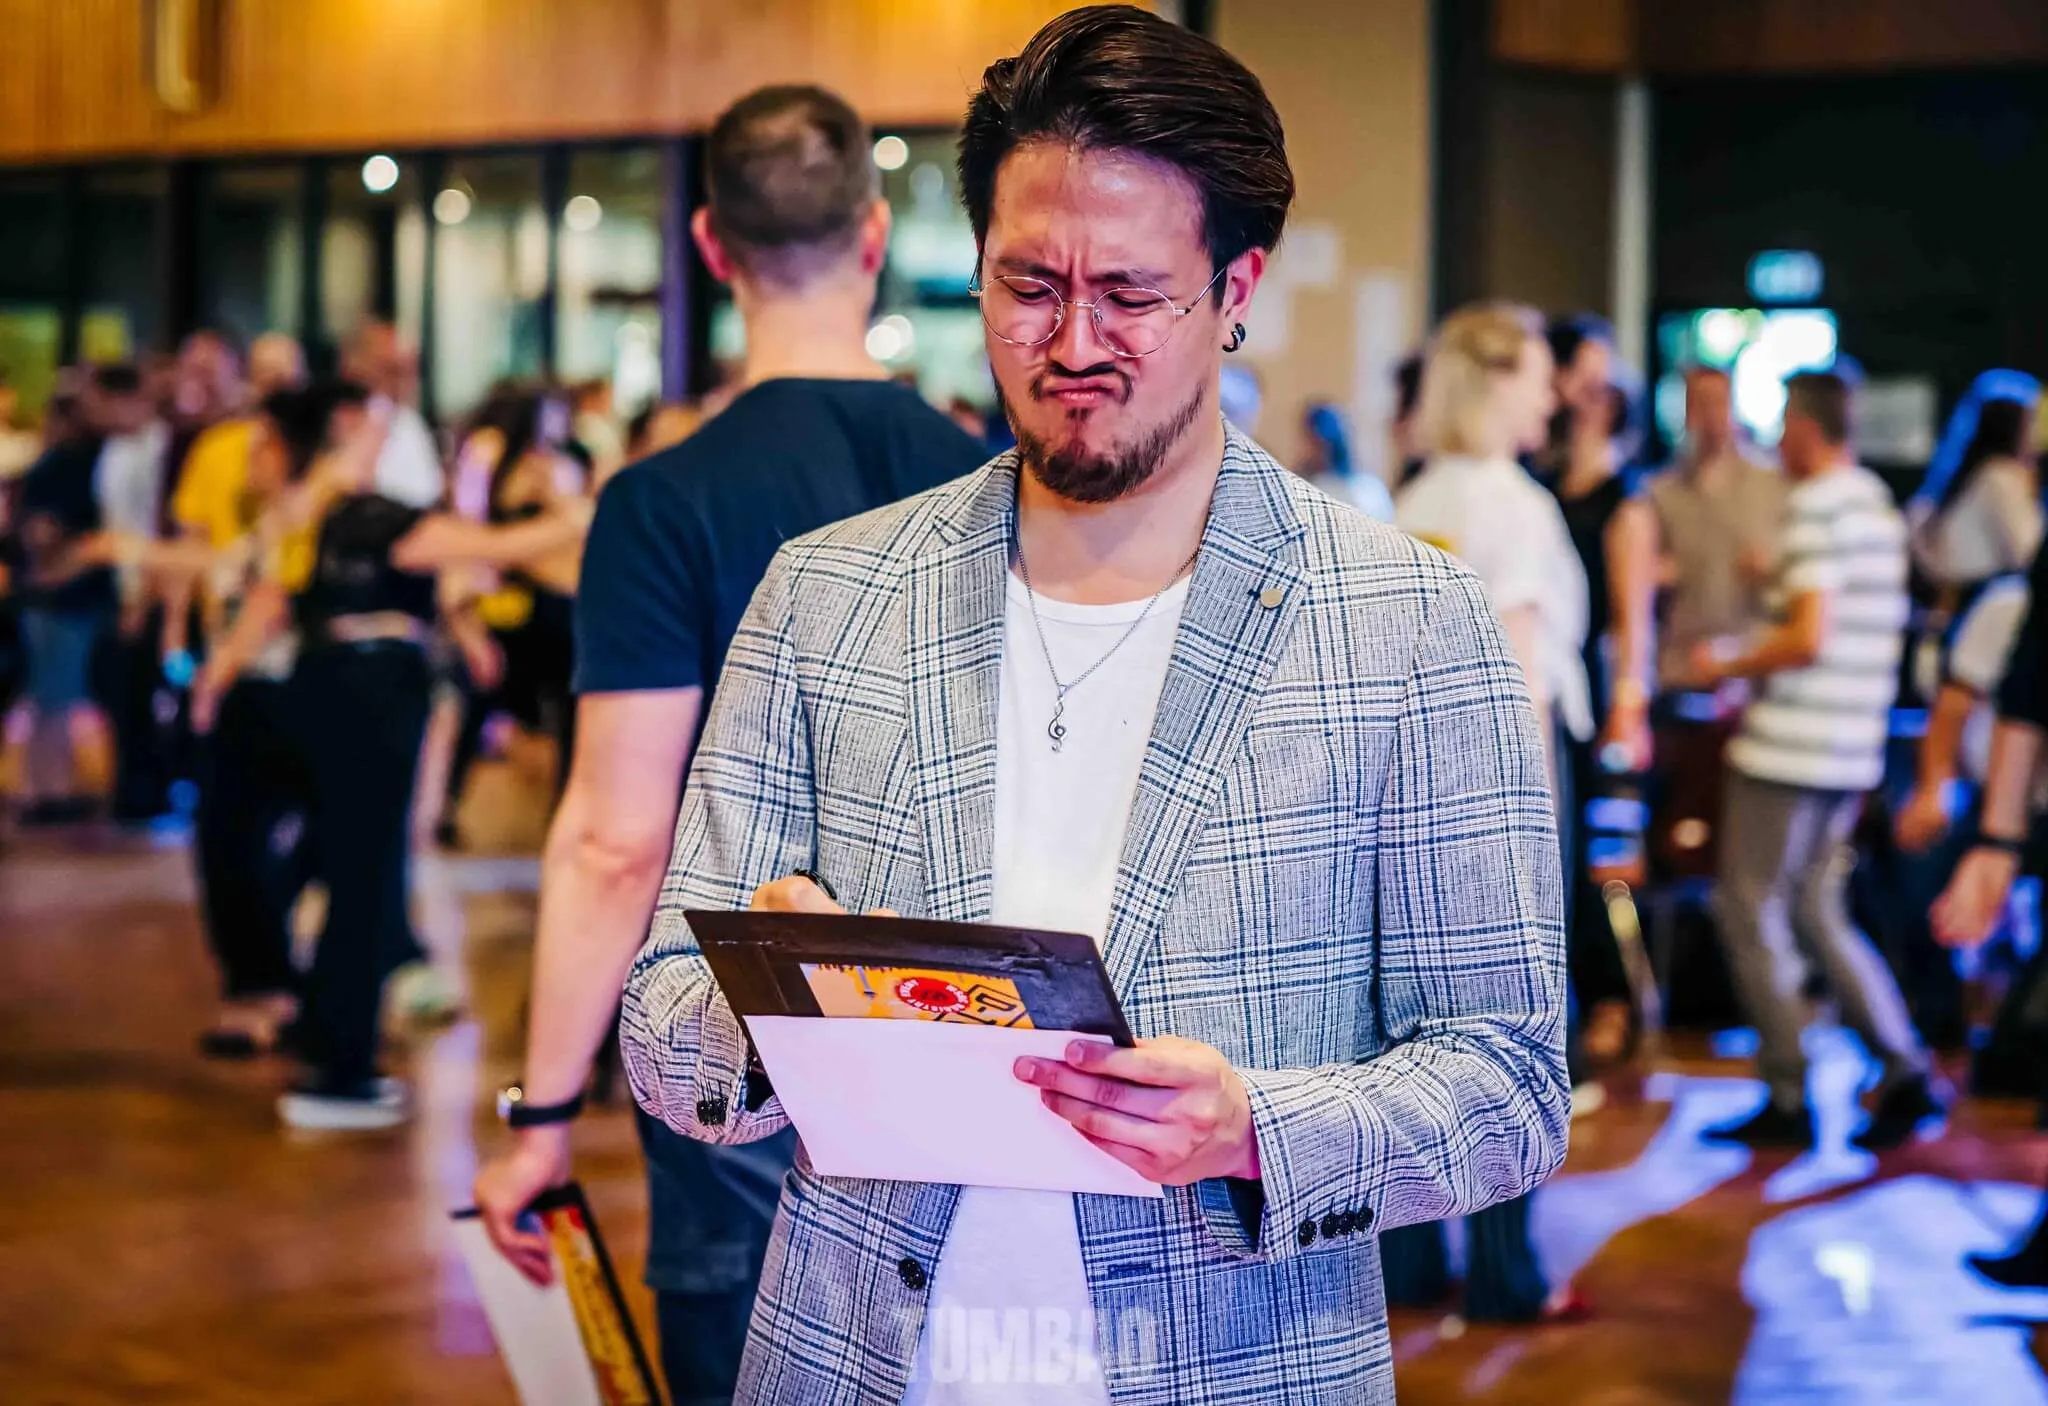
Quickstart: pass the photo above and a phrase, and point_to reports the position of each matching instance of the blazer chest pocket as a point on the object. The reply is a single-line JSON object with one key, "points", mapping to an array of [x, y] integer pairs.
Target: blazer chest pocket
{"points": [[1276, 863], [1296, 776]]}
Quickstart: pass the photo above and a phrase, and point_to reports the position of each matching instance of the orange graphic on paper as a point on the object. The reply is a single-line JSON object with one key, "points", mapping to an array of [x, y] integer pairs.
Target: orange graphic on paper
{"points": [[917, 993]]}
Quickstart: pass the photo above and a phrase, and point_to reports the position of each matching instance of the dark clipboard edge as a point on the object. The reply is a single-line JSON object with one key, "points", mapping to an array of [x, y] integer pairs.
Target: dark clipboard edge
{"points": [[965, 955]]}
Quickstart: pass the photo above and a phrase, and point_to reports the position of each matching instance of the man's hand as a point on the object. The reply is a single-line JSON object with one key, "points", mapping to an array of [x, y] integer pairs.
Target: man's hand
{"points": [[799, 895], [507, 1185], [1922, 821], [792, 895], [212, 685], [1705, 665], [1626, 738], [484, 658], [1970, 907], [1172, 1110]]}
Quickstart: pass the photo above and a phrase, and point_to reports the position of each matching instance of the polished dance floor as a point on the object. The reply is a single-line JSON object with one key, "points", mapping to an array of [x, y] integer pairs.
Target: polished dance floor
{"points": [[162, 1241]]}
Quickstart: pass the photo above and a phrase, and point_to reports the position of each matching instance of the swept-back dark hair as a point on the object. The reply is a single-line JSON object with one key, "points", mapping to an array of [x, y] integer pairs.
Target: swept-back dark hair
{"points": [[1118, 78]]}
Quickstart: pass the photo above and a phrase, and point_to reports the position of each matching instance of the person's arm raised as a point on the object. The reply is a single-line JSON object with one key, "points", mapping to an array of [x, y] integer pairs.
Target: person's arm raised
{"points": [[443, 539]]}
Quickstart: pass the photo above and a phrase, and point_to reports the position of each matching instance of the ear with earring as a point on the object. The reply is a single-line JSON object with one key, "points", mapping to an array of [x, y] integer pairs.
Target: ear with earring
{"points": [[1237, 336]]}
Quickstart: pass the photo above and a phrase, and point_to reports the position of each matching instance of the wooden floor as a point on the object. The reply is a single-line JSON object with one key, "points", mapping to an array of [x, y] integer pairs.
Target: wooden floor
{"points": [[162, 1241]]}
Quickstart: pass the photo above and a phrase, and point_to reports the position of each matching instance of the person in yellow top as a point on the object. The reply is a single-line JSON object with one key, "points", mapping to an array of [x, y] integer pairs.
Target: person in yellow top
{"points": [[215, 502]]}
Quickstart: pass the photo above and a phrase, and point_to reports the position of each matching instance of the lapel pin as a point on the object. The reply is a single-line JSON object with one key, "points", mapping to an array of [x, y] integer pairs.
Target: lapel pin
{"points": [[1271, 597]]}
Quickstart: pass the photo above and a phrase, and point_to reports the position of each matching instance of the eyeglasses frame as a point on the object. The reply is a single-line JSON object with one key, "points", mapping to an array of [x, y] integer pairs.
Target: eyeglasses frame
{"points": [[976, 288]]}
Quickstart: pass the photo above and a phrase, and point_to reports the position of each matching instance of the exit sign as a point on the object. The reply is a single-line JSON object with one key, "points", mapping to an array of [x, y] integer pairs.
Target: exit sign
{"points": [[1785, 276]]}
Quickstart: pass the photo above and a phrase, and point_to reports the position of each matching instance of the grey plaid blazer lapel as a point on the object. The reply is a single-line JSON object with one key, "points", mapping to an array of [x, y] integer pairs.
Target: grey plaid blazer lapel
{"points": [[954, 664], [1227, 646]]}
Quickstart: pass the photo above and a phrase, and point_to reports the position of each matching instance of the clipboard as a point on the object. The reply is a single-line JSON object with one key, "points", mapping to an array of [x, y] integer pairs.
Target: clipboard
{"points": [[573, 1342], [891, 1042]]}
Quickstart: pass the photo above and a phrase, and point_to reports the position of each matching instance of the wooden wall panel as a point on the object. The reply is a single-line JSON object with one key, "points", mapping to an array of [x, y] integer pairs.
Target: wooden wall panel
{"points": [[314, 74], [1765, 36], [1682, 37], [1582, 36]]}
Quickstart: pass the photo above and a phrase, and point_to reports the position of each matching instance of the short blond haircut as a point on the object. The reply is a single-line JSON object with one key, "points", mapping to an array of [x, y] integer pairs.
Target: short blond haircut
{"points": [[1474, 346]]}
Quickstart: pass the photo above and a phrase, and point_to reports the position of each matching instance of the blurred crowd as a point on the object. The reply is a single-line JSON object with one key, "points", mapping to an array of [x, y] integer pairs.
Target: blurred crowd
{"points": [[1790, 794], [209, 557]]}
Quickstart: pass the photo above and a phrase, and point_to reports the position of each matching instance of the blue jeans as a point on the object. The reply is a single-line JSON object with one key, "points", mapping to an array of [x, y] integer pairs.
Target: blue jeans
{"points": [[711, 1210], [60, 649]]}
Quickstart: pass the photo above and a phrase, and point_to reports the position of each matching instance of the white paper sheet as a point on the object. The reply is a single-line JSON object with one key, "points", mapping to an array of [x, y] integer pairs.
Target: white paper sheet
{"points": [[916, 1100], [535, 1328]]}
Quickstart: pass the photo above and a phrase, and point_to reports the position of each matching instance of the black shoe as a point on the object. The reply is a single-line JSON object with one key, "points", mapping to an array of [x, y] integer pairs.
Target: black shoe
{"points": [[1900, 1113], [1997, 1074], [1769, 1126], [2025, 1268], [60, 810]]}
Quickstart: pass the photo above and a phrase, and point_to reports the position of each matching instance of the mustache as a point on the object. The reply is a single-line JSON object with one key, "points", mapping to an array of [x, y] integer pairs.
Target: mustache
{"points": [[1047, 381]]}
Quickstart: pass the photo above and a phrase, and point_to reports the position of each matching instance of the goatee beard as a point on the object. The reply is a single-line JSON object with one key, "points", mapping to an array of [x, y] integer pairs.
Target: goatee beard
{"points": [[1079, 476]]}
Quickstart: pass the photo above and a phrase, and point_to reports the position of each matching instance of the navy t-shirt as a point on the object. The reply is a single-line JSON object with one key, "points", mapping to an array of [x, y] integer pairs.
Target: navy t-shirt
{"points": [[682, 538], [680, 543]]}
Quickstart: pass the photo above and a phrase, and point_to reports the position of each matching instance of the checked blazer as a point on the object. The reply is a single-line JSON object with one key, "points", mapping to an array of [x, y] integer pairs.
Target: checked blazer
{"points": [[1341, 870]]}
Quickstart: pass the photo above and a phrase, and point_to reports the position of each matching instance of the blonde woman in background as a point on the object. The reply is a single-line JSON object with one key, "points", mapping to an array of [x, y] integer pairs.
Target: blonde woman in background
{"points": [[1487, 396]]}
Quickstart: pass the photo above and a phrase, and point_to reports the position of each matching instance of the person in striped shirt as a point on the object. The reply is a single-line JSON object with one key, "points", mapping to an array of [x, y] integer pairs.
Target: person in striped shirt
{"points": [[1810, 748]]}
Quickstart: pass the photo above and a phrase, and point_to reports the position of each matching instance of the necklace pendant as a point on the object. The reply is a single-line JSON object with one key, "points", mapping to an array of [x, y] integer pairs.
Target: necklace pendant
{"points": [[1056, 729]]}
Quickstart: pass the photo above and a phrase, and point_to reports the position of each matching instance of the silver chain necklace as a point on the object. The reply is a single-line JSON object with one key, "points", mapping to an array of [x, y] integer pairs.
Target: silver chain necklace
{"points": [[1056, 729]]}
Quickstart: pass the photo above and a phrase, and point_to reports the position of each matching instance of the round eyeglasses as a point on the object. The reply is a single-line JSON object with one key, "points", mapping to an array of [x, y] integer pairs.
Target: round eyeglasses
{"points": [[1131, 322]]}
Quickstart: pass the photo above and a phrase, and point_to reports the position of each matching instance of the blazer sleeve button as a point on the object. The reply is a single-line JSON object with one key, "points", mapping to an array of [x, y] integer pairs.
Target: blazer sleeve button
{"points": [[711, 1111], [1306, 1236], [911, 1273]]}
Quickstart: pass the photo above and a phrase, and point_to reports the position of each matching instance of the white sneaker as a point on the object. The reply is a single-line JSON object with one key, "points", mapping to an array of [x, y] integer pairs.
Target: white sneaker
{"points": [[371, 1106]]}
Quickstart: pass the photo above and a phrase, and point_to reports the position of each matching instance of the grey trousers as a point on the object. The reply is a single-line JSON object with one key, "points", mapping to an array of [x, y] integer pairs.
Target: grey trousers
{"points": [[1780, 904]]}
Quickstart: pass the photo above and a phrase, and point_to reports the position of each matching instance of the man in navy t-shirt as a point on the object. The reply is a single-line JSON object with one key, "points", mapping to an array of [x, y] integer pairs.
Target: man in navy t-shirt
{"points": [[681, 540]]}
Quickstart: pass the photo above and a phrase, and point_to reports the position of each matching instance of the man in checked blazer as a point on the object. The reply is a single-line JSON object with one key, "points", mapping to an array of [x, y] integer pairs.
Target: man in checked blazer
{"points": [[1135, 680]]}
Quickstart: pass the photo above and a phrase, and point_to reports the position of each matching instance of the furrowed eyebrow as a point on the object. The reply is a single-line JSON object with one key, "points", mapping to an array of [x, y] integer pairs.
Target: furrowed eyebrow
{"points": [[1108, 278]]}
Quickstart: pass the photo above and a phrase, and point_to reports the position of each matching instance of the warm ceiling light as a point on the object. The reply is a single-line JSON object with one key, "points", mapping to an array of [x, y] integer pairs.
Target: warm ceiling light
{"points": [[380, 173], [582, 213], [891, 153], [451, 206]]}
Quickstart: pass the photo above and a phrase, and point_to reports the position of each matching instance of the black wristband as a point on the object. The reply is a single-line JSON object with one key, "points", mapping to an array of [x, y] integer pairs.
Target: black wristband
{"points": [[2003, 844], [518, 1113]]}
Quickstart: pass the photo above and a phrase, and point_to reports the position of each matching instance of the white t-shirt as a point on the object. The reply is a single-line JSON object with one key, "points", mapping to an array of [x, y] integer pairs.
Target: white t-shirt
{"points": [[409, 464], [128, 482], [1824, 726], [1489, 514], [1994, 526], [1009, 1320], [1977, 658]]}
